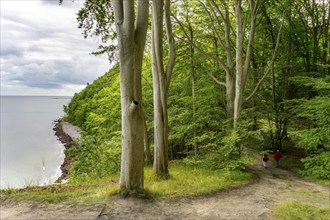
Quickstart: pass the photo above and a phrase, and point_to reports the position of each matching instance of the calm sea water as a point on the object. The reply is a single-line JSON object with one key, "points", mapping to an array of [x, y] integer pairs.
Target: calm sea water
{"points": [[30, 152]]}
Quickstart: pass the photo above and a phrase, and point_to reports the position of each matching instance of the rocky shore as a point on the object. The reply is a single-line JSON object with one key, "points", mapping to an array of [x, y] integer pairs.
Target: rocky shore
{"points": [[69, 135]]}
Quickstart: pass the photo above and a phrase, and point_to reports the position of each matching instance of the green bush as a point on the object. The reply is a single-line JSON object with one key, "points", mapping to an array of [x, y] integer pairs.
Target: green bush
{"points": [[96, 158], [317, 166]]}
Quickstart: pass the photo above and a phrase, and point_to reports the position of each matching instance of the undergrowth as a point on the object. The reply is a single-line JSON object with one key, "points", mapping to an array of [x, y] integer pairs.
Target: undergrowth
{"points": [[294, 164]]}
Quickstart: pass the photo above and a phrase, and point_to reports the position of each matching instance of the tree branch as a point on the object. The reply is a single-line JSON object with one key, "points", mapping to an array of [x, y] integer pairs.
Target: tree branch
{"points": [[216, 80], [216, 59], [212, 24], [271, 63], [254, 12], [170, 40], [118, 7]]}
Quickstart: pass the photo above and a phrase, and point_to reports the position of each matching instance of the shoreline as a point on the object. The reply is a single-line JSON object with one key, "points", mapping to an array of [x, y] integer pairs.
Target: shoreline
{"points": [[61, 132]]}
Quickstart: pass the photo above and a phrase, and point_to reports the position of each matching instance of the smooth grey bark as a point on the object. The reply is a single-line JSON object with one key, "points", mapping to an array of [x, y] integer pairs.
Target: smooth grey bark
{"points": [[161, 81], [242, 67], [147, 151], [227, 47], [193, 82], [242, 71], [131, 29], [230, 86], [239, 60]]}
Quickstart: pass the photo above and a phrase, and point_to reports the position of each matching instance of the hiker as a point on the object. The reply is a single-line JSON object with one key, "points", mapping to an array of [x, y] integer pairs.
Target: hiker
{"points": [[265, 159], [277, 156]]}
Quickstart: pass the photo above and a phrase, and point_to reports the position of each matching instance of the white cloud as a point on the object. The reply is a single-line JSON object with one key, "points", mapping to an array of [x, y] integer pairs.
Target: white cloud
{"points": [[42, 50]]}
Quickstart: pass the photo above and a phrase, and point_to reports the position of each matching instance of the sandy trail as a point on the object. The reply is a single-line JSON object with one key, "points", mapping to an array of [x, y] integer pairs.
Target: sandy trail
{"points": [[252, 201]]}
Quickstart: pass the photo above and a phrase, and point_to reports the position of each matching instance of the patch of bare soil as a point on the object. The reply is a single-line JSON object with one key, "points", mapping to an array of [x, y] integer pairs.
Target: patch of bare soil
{"points": [[252, 201]]}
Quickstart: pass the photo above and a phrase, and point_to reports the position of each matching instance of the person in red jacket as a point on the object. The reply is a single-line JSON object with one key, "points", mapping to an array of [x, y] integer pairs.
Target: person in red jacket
{"points": [[277, 157]]}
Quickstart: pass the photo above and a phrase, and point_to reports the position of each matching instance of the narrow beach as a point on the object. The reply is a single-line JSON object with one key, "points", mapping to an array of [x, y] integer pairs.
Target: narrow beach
{"points": [[69, 135]]}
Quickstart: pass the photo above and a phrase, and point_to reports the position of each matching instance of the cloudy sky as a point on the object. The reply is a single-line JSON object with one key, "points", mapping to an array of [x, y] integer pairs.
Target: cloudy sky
{"points": [[42, 50]]}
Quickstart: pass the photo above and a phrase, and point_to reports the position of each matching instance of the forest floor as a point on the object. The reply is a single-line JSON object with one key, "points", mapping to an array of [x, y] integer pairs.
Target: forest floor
{"points": [[256, 200]]}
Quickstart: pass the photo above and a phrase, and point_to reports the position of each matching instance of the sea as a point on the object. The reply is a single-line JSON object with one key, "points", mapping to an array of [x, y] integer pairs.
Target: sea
{"points": [[31, 154]]}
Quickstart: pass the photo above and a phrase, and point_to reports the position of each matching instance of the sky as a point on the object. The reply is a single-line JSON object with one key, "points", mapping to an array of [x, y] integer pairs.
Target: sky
{"points": [[42, 50]]}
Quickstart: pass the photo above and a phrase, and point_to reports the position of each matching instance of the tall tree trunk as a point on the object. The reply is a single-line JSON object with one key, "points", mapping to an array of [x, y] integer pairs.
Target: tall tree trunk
{"points": [[314, 32], [131, 32], [239, 61], [325, 42], [160, 166], [146, 143], [193, 82], [242, 67], [230, 81], [255, 81], [161, 81], [230, 95]]}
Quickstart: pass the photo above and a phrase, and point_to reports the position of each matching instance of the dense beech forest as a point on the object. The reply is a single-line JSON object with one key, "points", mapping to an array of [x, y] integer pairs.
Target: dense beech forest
{"points": [[197, 92], [219, 80]]}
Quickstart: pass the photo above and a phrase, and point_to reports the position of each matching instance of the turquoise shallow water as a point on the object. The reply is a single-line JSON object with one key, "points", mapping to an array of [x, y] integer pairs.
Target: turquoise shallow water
{"points": [[30, 152]]}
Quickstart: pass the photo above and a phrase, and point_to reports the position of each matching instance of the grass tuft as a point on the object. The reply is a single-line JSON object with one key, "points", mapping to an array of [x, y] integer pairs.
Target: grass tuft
{"points": [[192, 181], [292, 210]]}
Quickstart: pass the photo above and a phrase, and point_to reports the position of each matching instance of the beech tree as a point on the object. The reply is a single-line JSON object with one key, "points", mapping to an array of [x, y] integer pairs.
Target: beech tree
{"points": [[127, 22], [222, 28], [161, 82], [234, 53], [131, 29]]}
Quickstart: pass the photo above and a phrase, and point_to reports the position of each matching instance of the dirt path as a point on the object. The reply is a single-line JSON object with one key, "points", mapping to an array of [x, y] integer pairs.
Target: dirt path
{"points": [[253, 201]]}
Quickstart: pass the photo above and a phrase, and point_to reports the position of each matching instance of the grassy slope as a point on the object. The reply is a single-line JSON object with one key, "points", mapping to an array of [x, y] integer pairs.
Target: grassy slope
{"points": [[184, 181]]}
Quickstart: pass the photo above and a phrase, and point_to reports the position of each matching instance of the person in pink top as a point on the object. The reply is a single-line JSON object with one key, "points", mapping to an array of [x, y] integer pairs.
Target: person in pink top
{"points": [[265, 160]]}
